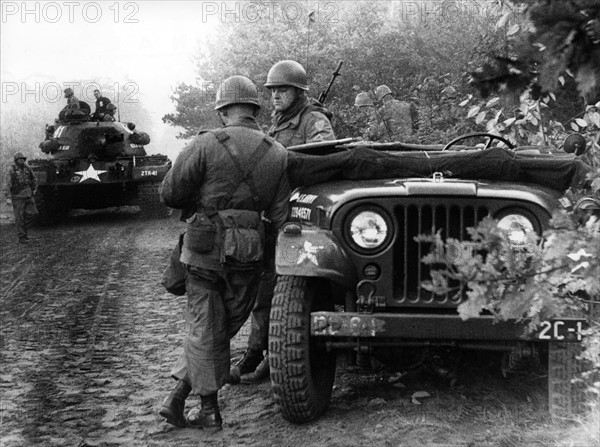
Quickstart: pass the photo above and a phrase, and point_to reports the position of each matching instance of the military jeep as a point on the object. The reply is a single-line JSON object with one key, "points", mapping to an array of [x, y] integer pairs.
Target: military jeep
{"points": [[350, 270]]}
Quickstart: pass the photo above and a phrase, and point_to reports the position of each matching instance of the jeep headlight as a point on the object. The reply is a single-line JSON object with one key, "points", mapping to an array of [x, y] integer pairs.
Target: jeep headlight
{"points": [[518, 228], [368, 229]]}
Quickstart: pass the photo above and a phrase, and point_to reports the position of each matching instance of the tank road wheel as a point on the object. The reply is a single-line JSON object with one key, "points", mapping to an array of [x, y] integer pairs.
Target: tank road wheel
{"points": [[567, 396], [149, 201], [302, 372]]}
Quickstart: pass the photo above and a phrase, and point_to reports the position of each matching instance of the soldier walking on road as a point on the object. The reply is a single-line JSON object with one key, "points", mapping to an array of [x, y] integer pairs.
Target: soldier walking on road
{"points": [[399, 116], [21, 186], [229, 176], [296, 119]]}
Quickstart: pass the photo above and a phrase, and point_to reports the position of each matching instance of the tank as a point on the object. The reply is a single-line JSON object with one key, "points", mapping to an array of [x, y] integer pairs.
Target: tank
{"points": [[96, 164]]}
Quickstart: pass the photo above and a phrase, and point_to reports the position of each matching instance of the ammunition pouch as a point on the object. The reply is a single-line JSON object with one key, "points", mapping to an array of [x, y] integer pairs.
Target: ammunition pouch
{"points": [[175, 274], [242, 246], [200, 233]]}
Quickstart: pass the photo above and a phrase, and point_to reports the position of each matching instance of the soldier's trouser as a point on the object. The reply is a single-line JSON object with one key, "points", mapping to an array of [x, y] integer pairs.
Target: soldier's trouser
{"points": [[259, 329], [25, 210], [218, 305]]}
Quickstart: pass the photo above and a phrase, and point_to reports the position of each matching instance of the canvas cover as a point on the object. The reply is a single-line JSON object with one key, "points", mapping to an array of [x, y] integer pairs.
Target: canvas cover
{"points": [[558, 172]]}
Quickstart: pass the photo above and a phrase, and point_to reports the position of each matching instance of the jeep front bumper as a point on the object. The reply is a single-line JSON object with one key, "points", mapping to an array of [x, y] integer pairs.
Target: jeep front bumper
{"points": [[434, 327]]}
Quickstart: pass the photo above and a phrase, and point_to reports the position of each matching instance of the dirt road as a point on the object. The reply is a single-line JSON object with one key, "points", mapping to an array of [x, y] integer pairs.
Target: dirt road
{"points": [[88, 337]]}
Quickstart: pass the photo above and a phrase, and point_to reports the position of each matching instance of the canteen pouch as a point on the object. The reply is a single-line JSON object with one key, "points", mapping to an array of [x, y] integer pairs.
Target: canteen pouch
{"points": [[200, 233], [174, 276], [243, 240]]}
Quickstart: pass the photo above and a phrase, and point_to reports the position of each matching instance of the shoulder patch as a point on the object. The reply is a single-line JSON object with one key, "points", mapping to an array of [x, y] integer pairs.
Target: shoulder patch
{"points": [[320, 125]]}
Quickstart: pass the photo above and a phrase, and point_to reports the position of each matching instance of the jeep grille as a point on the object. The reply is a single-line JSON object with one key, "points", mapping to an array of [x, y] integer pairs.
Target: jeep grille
{"points": [[452, 220]]}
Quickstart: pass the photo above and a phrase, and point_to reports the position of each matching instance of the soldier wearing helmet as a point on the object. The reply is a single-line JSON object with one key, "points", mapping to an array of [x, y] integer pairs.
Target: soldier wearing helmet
{"points": [[373, 129], [228, 177], [110, 113], [399, 116], [20, 186], [296, 119]]}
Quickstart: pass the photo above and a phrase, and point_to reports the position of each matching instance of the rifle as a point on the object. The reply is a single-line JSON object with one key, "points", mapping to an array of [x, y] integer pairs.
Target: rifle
{"points": [[334, 75]]}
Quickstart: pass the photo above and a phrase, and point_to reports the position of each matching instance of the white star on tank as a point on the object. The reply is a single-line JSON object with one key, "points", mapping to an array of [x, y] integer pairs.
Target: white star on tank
{"points": [[90, 173]]}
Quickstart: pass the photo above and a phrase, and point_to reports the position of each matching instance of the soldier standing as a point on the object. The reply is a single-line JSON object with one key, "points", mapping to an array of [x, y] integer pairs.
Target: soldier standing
{"points": [[229, 176], [21, 185], [375, 130], [398, 115], [296, 119]]}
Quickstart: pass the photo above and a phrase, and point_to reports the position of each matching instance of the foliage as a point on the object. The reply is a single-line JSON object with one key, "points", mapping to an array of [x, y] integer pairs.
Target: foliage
{"points": [[528, 123], [558, 37], [423, 60], [556, 275]]}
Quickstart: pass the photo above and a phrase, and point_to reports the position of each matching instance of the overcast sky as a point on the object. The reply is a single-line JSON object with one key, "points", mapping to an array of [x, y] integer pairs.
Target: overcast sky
{"points": [[149, 42]]}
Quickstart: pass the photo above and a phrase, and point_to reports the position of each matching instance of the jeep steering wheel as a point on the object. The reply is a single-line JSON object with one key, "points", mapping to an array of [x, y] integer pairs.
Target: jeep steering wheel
{"points": [[487, 145]]}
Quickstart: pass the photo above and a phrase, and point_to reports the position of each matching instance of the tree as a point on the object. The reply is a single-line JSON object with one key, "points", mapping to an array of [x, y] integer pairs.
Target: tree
{"points": [[416, 59], [558, 38]]}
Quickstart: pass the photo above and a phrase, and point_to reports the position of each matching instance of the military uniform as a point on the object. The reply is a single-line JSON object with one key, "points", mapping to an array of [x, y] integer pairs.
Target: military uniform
{"points": [[305, 123], [309, 124], [398, 116], [300, 121], [375, 129], [73, 103], [220, 298], [21, 185], [101, 103]]}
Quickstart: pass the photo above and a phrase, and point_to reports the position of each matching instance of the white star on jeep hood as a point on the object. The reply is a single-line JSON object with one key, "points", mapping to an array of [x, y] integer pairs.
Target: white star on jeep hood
{"points": [[90, 173]]}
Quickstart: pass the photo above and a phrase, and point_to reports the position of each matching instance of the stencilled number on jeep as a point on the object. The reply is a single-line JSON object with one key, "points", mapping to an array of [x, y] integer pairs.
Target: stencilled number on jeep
{"points": [[546, 326], [568, 330], [147, 173]]}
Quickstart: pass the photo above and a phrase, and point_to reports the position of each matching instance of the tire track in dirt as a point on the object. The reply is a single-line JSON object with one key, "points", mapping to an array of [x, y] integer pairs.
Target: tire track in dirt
{"points": [[89, 336], [58, 346]]}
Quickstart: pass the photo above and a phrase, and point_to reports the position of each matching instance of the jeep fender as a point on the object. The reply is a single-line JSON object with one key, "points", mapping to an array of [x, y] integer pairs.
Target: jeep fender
{"points": [[314, 253]]}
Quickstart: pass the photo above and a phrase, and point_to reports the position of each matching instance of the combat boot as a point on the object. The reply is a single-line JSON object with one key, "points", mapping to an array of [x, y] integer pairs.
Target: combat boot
{"points": [[207, 417], [252, 358], [173, 405], [259, 374]]}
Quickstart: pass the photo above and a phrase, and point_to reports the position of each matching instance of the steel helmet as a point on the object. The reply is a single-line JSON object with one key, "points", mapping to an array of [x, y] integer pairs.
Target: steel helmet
{"points": [[363, 99], [20, 155], [287, 73], [236, 90], [68, 91], [111, 106], [381, 91]]}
